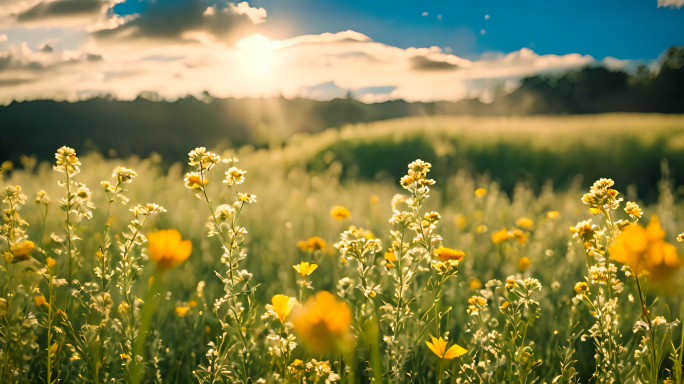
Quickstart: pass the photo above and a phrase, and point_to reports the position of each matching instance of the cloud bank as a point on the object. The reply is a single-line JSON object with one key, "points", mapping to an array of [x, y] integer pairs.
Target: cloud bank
{"points": [[175, 49]]}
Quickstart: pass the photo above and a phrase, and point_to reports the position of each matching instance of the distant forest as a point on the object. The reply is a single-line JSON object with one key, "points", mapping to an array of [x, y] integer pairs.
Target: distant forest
{"points": [[141, 126]]}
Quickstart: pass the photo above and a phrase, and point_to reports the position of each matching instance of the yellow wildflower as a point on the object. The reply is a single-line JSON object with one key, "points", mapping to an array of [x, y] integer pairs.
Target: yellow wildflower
{"points": [[323, 324], [339, 212], [50, 262], [645, 250], [193, 180], [315, 243], [552, 214], [581, 288], [475, 284], [373, 199], [305, 269], [633, 209], [282, 305], [524, 222], [511, 283], [480, 192], [523, 263], [247, 198], [21, 251], [167, 249], [390, 256], [519, 235], [182, 311], [438, 346], [125, 356], [504, 307], [67, 161], [481, 229], [192, 303], [39, 300], [461, 222], [449, 254], [235, 176], [501, 235]]}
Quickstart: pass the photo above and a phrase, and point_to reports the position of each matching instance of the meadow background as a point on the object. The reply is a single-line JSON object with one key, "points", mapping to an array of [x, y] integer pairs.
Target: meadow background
{"points": [[527, 165]]}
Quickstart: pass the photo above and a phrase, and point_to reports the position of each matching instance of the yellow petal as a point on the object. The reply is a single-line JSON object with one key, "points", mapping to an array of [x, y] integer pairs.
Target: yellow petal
{"points": [[312, 268], [432, 347], [455, 351]]}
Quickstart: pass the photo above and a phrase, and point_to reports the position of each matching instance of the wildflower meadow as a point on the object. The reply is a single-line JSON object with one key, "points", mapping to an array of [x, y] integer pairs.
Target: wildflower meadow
{"points": [[239, 266]]}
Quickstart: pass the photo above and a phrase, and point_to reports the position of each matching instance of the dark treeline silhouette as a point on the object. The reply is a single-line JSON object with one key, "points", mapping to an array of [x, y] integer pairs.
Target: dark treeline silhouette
{"points": [[141, 126]]}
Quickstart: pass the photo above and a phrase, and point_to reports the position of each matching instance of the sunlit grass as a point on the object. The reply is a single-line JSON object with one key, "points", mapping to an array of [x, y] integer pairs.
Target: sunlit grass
{"points": [[456, 281]]}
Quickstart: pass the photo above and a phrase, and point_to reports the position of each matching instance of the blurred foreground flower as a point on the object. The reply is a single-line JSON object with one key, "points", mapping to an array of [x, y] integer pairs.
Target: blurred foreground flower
{"points": [[339, 212], [445, 254], [167, 249], [324, 324], [645, 250], [438, 346]]}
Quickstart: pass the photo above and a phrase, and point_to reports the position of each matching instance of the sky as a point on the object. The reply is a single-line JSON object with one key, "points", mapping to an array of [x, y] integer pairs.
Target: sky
{"points": [[377, 50]]}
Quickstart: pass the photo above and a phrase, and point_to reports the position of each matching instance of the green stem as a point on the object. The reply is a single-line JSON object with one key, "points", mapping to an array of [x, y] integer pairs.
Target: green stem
{"points": [[69, 242], [145, 320]]}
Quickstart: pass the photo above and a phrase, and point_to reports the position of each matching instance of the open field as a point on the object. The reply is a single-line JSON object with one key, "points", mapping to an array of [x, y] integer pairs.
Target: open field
{"points": [[514, 236]]}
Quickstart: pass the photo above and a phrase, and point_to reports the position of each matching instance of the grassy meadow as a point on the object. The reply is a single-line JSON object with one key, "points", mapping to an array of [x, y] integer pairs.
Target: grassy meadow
{"points": [[491, 274]]}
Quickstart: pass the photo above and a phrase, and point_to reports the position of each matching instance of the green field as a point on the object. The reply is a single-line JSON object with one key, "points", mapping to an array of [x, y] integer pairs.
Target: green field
{"points": [[528, 167]]}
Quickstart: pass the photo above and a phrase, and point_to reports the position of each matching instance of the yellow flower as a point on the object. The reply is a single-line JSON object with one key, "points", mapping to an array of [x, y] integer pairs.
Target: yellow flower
{"points": [[475, 284], [339, 212], [438, 346], [519, 235], [39, 300], [633, 209], [480, 192], [193, 180], [501, 235], [461, 222], [21, 251], [323, 324], [282, 305], [523, 263], [373, 199], [125, 356], [581, 288], [67, 160], [50, 262], [552, 214], [481, 229], [511, 283], [449, 254], [645, 250], [182, 311], [524, 222], [167, 249], [192, 303], [315, 243], [247, 198], [390, 256], [504, 307], [305, 269]]}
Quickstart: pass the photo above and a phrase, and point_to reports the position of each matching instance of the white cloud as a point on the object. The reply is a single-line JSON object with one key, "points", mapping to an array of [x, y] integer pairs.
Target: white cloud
{"points": [[310, 65], [671, 3], [257, 15]]}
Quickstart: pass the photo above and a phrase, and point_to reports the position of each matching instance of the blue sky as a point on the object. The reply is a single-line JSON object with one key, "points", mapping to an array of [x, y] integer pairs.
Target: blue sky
{"points": [[376, 49], [625, 29]]}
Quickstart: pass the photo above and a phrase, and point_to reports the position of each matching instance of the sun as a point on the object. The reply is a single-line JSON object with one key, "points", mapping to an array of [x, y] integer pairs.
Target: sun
{"points": [[256, 56]]}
